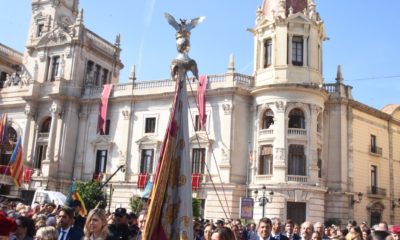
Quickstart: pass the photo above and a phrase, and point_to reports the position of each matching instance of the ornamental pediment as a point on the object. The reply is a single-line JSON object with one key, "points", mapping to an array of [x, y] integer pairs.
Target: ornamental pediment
{"points": [[53, 38], [102, 140], [148, 140], [299, 18], [201, 137]]}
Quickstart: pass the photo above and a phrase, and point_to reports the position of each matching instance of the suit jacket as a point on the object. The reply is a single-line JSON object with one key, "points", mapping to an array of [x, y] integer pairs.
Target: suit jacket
{"points": [[281, 237], [258, 238], [74, 233]]}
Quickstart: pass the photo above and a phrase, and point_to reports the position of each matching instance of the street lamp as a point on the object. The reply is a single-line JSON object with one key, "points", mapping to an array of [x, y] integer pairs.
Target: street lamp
{"points": [[264, 198]]}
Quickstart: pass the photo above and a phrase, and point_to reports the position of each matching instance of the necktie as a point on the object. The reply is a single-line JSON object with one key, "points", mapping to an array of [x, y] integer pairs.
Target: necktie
{"points": [[62, 235]]}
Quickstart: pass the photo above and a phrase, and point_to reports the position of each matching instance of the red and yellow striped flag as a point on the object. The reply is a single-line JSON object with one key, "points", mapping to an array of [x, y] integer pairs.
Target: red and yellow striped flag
{"points": [[16, 164]]}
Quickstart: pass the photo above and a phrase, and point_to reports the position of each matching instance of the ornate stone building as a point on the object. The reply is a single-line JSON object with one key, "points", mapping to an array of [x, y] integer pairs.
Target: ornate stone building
{"points": [[324, 155]]}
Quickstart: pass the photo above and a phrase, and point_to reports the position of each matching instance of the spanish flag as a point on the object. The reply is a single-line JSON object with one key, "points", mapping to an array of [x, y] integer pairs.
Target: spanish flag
{"points": [[74, 196], [16, 165]]}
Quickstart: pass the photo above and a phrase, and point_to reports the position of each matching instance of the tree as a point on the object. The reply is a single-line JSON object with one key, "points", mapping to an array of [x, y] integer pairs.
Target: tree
{"points": [[91, 194], [137, 204], [196, 206]]}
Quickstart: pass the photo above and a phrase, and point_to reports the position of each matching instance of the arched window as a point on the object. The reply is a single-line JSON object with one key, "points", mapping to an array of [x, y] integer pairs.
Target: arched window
{"points": [[45, 128], [296, 119], [268, 119], [42, 142]]}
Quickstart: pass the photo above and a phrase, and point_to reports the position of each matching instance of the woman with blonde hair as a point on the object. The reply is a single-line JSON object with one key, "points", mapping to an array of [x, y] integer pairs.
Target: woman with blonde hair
{"points": [[96, 225], [46, 233]]}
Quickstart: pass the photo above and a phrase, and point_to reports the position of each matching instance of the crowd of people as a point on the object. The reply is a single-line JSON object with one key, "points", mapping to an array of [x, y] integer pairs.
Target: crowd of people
{"points": [[47, 221]]}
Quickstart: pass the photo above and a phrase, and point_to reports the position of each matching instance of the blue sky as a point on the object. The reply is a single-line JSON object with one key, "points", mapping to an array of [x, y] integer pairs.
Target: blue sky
{"points": [[364, 38]]}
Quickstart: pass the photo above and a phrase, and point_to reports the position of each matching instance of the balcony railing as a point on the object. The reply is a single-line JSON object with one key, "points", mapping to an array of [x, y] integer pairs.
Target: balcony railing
{"points": [[375, 150], [297, 178], [266, 131], [44, 135], [376, 191], [297, 131]]}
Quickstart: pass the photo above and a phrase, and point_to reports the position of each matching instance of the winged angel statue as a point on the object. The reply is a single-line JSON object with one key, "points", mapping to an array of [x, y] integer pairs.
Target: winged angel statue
{"points": [[183, 31]]}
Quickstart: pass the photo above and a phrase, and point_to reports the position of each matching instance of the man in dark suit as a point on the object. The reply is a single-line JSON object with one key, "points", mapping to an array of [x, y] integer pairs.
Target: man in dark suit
{"points": [[276, 229], [289, 227], [264, 230], [65, 220]]}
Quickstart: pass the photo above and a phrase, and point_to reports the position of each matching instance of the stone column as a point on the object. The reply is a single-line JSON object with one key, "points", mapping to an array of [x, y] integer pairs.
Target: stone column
{"points": [[50, 70], [279, 154], [305, 51], [290, 49], [312, 143], [29, 112], [55, 110]]}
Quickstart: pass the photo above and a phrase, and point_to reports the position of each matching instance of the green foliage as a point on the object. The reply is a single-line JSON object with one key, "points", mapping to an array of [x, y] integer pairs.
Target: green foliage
{"points": [[196, 206], [137, 204], [91, 194]]}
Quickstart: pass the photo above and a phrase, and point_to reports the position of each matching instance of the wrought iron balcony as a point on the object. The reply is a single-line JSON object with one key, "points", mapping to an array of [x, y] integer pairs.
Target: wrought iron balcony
{"points": [[374, 191], [375, 150]]}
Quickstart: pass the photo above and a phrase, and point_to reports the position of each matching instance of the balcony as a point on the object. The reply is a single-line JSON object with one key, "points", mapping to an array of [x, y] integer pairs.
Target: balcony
{"points": [[297, 131], [44, 135], [375, 150], [376, 192], [297, 178]]}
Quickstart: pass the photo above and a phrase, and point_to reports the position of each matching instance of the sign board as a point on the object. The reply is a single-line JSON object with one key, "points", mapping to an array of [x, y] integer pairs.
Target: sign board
{"points": [[246, 207]]}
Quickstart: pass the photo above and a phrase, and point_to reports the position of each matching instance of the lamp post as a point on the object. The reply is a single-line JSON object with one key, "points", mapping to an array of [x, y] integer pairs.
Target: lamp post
{"points": [[264, 198]]}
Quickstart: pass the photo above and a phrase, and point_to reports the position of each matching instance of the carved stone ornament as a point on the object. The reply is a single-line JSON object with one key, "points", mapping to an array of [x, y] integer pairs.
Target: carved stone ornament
{"points": [[55, 108], [126, 113], [315, 109], [228, 108], [280, 154], [29, 110], [280, 106]]}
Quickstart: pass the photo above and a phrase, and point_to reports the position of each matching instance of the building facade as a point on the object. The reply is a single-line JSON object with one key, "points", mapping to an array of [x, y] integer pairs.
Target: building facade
{"points": [[307, 146]]}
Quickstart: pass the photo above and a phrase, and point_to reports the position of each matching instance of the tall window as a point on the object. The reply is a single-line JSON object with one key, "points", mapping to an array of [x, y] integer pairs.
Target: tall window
{"points": [[150, 125], [54, 67], [373, 144], [40, 155], [97, 75], [104, 79], [374, 179], [266, 160], [45, 128], [107, 132], [296, 119], [197, 124], [319, 163], [297, 160], [3, 78], [198, 160], [146, 162], [267, 53], [297, 51], [101, 161], [40, 29], [268, 119]]}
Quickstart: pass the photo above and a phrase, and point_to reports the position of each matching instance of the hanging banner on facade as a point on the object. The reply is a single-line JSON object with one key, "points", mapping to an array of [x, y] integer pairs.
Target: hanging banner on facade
{"points": [[246, 207], [101, 123]]}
